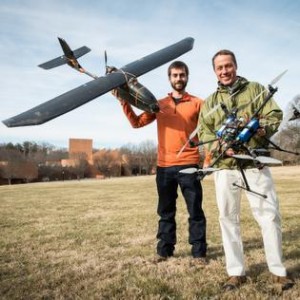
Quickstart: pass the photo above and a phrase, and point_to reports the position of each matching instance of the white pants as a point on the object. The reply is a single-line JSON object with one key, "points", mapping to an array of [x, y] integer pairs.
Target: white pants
{"points": [[265, 212]]}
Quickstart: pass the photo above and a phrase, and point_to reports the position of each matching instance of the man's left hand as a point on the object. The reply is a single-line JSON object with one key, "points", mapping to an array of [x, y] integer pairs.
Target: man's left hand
{"points": [[261, 131]]}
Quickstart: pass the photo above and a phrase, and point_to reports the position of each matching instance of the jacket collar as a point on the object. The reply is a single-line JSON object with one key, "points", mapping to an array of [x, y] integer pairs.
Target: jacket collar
{"points": [[238, 85], [186, 97]]}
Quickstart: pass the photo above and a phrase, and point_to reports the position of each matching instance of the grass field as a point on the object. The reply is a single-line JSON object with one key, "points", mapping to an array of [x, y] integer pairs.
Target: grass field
{"points": [[95, 239]]}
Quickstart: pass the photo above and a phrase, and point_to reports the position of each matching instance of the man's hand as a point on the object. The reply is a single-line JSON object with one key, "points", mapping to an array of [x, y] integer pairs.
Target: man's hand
{"points": [[229, 152], [261, 131], [115, 93]]}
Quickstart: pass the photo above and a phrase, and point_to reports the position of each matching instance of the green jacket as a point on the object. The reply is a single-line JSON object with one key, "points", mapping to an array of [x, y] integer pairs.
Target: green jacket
{"points": [[246, 97]]}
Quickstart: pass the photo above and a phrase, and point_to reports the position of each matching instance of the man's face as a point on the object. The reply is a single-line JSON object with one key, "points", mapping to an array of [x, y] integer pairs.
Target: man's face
{"points": [[178, 79], [225, 69]]}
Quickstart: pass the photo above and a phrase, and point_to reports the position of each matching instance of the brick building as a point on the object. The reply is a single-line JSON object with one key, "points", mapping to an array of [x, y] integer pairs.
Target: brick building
{"points": [[78, 147]]}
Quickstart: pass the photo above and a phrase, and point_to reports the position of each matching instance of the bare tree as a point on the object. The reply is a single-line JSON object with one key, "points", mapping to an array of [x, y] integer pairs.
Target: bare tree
{"points": [[132, 158], [108, 162], [148, 154], [15, 167], [81, 164]]}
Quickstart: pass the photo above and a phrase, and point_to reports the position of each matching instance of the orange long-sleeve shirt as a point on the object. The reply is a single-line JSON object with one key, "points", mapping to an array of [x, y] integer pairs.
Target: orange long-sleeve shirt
{"points": [[175, 122]]}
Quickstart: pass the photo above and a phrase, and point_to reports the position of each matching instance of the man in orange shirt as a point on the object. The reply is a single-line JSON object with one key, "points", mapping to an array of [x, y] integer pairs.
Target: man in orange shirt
{"points": [[176, 119]]}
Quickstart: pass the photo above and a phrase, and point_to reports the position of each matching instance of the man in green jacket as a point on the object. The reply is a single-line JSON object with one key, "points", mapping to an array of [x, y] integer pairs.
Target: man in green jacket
{"points": [[236, 94]]}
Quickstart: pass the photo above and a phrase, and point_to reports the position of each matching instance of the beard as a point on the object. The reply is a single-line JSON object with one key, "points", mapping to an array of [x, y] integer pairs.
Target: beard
{"points": [[179, 86]]}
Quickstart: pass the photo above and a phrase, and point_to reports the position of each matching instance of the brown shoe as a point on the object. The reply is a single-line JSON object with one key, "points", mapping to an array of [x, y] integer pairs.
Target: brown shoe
{"points": [[283, 281], [234, 282], [200, 261]]}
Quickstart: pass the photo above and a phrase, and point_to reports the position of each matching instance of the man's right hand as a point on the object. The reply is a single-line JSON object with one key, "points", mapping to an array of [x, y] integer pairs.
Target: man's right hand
{"points": [[115, 93], [229, 152]]}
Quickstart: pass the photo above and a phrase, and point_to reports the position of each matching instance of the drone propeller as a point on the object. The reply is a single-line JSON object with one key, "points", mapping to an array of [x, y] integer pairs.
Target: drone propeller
{"points": [[195, 170], [189, 171], [208, 169], [108, 69], [105, 62], [191, 136], [268, 160], [274, 81], [261, 159]]}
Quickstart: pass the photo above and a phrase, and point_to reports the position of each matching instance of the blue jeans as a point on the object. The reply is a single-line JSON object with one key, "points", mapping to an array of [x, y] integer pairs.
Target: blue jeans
{"points": [[167, 181]]}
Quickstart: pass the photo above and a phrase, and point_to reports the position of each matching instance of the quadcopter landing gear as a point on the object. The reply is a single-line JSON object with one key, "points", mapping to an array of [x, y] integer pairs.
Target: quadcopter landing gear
{"points": [[247, 187]]}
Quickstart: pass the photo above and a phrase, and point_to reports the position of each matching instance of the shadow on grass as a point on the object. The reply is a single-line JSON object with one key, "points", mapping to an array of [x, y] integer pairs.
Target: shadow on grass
{"points": [[289, 237]]}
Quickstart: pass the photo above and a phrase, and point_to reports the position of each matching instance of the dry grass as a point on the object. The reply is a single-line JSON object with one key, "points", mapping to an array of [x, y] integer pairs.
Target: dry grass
{"points": [[96, 240]]}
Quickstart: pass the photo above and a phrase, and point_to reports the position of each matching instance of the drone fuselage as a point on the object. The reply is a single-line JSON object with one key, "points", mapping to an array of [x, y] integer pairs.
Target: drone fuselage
{"points": [[138, 95]]}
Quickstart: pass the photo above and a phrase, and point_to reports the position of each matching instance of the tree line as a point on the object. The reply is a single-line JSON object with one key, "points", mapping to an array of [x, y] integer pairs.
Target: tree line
{"points": [[30, 161]]}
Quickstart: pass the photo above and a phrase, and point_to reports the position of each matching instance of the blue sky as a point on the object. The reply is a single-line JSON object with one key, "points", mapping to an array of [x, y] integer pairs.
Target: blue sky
{"points": [[263, 34]]}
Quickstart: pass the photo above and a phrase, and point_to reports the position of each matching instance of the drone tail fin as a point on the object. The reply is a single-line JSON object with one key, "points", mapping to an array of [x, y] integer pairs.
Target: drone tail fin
{"points": [[69, 57]]}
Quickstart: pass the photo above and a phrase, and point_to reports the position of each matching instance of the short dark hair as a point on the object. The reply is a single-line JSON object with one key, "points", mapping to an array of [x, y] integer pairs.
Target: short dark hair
{"points": [[178, 65], [224, 52]]}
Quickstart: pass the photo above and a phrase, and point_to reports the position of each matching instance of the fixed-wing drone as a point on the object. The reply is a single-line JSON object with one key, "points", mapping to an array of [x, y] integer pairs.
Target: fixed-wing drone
{"points": [[123, 79], [235, 134]]}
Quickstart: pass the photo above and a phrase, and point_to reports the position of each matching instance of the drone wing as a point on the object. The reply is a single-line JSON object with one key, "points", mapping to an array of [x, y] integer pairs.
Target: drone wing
{"points": [[158, 58], [93, 89], [61, 60], [67, 101], [69, 54]]}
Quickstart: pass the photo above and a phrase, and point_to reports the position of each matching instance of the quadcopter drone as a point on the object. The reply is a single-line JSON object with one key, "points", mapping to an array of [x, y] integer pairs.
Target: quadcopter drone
{"points": [[235, 134]]}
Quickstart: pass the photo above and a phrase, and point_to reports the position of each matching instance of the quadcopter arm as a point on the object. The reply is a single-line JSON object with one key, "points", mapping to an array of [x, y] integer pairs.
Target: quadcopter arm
{"points": [[276, 147]]}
